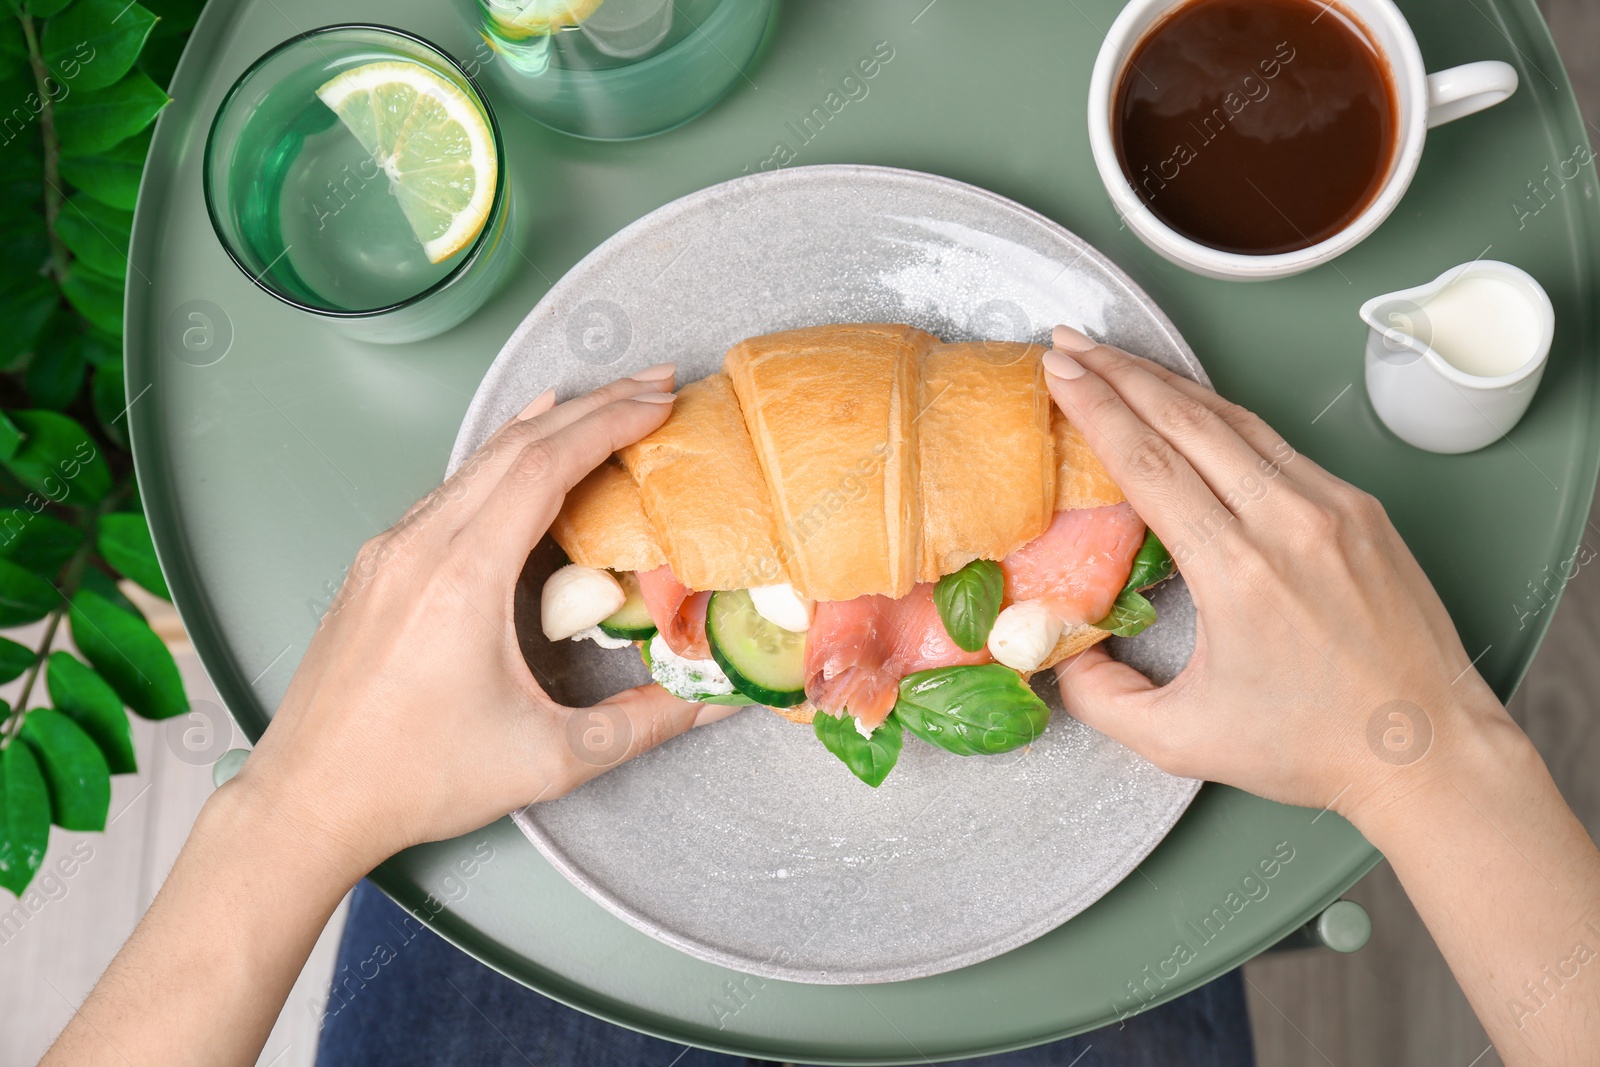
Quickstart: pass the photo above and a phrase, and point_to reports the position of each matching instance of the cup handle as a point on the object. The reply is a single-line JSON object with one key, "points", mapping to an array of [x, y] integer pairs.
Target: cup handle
{"points": [[1468, 88]]}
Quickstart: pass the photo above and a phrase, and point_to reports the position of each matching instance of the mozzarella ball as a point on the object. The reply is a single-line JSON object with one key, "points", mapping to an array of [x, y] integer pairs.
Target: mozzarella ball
{"points": [[1023, 635], [576, 598]]}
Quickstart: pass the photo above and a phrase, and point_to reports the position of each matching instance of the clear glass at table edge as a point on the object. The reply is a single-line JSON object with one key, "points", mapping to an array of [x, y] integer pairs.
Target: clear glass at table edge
{"points": [[299, 205], [616, 69]]}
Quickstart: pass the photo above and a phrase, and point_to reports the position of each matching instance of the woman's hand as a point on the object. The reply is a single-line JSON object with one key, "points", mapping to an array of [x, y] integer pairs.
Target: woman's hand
{"points": [[413, 716], [1324, 663]]}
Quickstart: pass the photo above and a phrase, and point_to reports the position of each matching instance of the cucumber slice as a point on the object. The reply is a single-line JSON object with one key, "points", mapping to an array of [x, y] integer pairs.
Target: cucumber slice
{"points": [[631, 621], [698, 680], [761, 659]]}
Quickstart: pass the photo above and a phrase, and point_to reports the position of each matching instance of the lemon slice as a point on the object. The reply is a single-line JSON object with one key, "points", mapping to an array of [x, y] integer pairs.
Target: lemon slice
{"points": [[518, 20], [433, 142]]}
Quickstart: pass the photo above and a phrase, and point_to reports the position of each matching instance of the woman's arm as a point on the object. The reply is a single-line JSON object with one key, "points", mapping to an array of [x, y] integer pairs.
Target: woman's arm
{"points": [[1327, 673], [412, 717]]}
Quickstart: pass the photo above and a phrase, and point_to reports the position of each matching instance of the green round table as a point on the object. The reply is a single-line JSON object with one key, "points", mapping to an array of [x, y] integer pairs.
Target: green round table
{"points": [[264, 469]]}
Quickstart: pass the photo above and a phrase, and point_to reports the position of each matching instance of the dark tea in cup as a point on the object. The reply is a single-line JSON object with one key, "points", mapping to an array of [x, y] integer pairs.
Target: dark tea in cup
{"points": [[1256, 126]]}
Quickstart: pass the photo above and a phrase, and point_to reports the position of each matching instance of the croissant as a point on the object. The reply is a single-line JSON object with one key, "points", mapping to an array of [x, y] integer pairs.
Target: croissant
{"points": [[853, 466]]}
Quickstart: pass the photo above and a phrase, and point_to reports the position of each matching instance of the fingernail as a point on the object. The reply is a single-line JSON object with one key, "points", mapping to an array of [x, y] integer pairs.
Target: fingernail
{"points": [[539, 404], [1070, 340], [655, 373], [1062, 365], [655, 398]]}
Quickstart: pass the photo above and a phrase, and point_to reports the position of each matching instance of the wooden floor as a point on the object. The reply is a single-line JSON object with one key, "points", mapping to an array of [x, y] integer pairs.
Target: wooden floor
{"points": [[1393, 1003]]}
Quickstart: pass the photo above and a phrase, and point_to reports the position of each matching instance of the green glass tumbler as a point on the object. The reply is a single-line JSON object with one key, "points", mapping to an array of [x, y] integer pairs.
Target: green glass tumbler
{"points": [[617, 69], [313, 219]]}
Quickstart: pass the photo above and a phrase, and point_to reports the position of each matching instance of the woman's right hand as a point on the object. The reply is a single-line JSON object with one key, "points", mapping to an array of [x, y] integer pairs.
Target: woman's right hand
{"points": [[1325, 664]]}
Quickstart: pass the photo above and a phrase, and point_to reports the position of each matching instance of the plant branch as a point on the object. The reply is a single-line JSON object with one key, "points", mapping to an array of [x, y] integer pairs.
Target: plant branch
{"points": [[71, 575], [53, 200]]}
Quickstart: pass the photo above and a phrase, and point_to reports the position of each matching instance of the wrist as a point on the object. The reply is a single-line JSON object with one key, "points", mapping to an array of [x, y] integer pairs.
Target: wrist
{"points": [[248, 814], [1474, 750]]}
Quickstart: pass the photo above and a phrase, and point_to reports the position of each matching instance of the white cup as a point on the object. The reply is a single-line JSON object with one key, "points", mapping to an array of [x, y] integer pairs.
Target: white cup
{"points": [[1425, 100], [1425, 399]]}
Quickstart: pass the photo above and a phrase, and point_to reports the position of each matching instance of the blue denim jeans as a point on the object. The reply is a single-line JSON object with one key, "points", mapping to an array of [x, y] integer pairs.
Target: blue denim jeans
{"points": [[436, 1006]]}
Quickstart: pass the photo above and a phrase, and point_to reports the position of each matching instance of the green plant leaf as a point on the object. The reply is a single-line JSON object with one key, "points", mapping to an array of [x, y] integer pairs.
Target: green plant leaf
{"points": [[1152, 564], [58, 459], [109, 397], [129, 655], [91, 122], [38, 541], [126, 544], [75, 773], [43, 9], [98, 581], [55, 373], [25, 306], [10, 438], [111, 177], [24, 596], [969, 601], [14, 659], [98, 235], [94, 42], [971, 711], [24, 817], [12, 44], [869, 759], [24, 241], [97, 296], [84, 697], [1129, 615]]}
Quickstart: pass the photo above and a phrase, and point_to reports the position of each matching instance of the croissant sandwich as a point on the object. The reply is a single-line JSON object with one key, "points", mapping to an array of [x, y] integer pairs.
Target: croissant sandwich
{"points": [[863, 529]]}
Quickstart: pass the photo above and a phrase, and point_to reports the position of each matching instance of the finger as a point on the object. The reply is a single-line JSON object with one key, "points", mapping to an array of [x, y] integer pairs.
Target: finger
{"points": [[464, 492], [1159, 482], [625, 725], [1226, 461], [1278, 453], [1109, 696], [520, 507], [1267, 442]]}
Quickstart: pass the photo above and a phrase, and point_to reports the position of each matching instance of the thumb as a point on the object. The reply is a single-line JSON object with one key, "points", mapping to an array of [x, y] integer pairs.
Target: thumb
{"points": [[1109, 696], [630, 723]]}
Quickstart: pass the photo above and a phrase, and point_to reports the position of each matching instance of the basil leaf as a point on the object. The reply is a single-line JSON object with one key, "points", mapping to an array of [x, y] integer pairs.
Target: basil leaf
{"points": [[75, 773], [24, 817], [1152, 564], [1129, 615], [85, 698], [869, 758], [968, 602], [971, 711], [126, 544], [129, 655], [14, 659]]}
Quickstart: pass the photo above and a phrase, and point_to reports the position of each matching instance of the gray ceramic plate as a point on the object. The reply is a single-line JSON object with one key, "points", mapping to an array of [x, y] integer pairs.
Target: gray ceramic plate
{"points": [[746, 843]]}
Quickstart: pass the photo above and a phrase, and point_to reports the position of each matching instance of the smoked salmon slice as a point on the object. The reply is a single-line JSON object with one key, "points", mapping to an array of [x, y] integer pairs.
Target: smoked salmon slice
{"points": [[1079, 565], [678, 612], [858, 650]]}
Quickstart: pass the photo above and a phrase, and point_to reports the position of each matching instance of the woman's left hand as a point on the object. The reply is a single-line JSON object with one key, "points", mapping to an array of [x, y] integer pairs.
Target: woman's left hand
{"points": [[413, 716]]}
